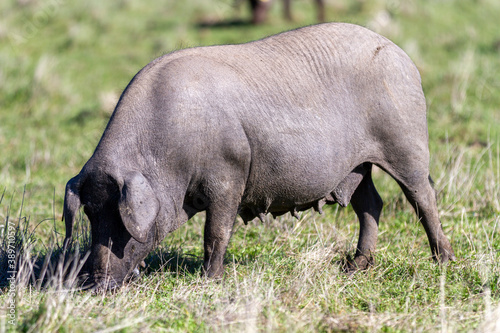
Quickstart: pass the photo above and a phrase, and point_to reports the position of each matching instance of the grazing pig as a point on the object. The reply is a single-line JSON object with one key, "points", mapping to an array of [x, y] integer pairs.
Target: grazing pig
{"points": [[291, 122]]}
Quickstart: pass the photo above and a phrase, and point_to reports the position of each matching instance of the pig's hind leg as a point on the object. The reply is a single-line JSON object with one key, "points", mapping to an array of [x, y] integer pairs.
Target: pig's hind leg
{"points": [[358, 189], [409, 166], [420, 193], [367, 204]]}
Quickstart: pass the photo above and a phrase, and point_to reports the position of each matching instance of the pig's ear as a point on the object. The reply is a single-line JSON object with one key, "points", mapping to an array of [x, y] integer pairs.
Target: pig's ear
{"points": [[71, 205], [138, 206]]}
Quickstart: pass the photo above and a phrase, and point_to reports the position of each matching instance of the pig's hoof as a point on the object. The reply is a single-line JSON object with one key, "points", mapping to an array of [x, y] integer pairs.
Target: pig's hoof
{"points": [[102, 287], [213, 273], [360, 262], [444, 255]]}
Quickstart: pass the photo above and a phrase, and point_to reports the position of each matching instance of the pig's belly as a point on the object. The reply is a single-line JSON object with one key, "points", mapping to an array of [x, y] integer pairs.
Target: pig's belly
{"points": [[294, 178]]}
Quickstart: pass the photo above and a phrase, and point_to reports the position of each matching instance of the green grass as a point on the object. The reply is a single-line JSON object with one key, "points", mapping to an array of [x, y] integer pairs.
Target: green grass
{"points": [[63, 66]]}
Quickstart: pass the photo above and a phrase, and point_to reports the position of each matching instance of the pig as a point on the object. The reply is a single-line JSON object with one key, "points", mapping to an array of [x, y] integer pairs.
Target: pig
{"points": [[284, 124]]}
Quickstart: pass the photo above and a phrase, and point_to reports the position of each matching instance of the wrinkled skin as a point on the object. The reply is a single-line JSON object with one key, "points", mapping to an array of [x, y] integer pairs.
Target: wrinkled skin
{"points": [[288, 123]]}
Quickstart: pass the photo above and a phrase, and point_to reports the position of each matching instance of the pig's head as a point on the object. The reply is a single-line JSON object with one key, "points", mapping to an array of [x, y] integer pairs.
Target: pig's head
{"points": [[122, 213]]}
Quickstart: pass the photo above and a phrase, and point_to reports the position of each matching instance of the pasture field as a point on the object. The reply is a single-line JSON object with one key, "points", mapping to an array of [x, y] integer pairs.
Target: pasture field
{"points": [[63, 65]]}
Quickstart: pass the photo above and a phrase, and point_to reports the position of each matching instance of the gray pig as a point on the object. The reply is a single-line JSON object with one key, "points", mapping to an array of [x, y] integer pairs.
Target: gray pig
{"points": [[287, 123]]}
